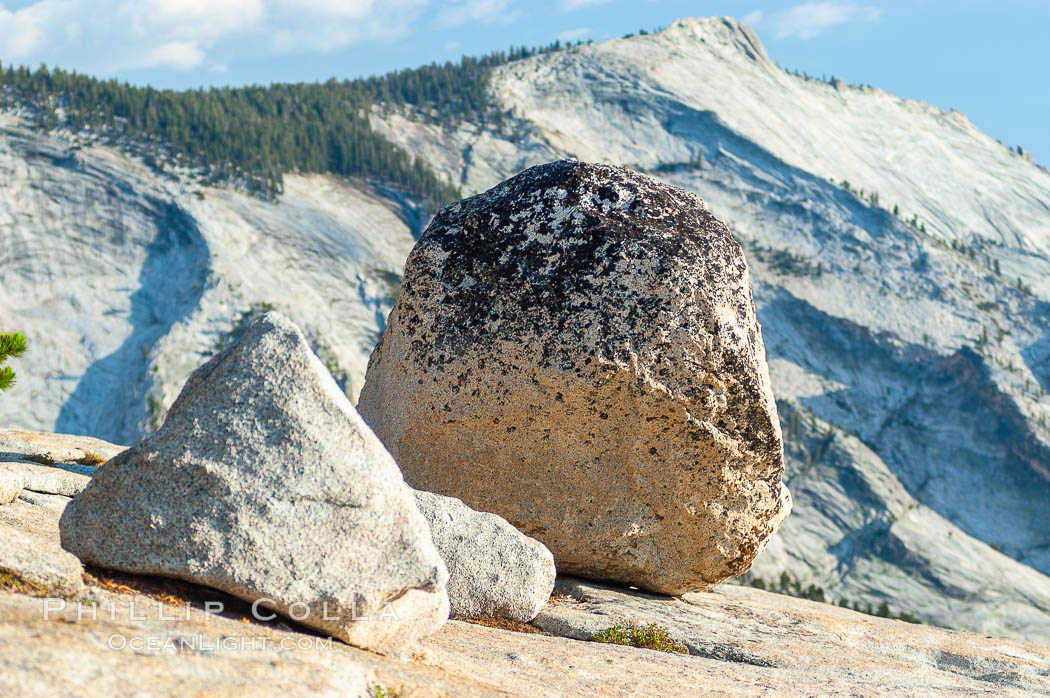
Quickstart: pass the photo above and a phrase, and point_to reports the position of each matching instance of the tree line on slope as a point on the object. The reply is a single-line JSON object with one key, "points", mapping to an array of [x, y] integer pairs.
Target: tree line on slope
{"points": [[792, 587], [253, 135]]}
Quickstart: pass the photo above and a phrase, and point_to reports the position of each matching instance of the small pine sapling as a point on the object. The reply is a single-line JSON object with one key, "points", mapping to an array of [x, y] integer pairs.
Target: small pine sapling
{"points": [[11, 345]]}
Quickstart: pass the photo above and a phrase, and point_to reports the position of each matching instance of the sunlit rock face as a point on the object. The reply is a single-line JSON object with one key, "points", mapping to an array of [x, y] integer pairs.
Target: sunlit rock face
{"points": [[577, 351]]}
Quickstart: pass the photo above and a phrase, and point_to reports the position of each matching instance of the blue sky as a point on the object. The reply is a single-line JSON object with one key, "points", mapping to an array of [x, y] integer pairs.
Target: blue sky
{"points": [[990, 60]]}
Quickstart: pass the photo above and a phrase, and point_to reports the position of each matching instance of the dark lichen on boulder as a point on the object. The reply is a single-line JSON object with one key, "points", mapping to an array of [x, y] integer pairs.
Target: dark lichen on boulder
{"points": [[586, 334]]}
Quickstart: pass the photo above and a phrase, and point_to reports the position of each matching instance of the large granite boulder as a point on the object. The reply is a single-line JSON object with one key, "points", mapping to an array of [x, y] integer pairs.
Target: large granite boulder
{"points": [[495, 571], [577, 351], [265, 483]]}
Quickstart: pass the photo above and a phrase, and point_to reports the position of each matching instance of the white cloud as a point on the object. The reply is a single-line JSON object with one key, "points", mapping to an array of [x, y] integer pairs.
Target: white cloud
{"points": [[810, 20], [752, 18], [106, 37], [454, 13], [178, 55], [573, 34], [197, 20], [24, 31], [326, 25], [354, 9], [569, 5]]}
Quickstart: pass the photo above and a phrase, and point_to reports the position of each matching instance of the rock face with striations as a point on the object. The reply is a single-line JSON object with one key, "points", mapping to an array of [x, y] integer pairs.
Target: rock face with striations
{"points": [[265, 483], [577, 351]]}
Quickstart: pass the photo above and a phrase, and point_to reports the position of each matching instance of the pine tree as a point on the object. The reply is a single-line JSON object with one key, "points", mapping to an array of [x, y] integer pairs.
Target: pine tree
{"points": [[253, 135], [11, 345]]}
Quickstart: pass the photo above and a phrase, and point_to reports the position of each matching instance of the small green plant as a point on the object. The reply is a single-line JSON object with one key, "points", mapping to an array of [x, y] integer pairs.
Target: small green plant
{"points": [[651, 637], [14, 582], [11, 345], [377, 691]]}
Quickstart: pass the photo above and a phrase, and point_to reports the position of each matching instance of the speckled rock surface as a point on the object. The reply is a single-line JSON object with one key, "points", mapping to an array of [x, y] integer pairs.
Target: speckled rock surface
{"points": [[265, 483], [50, 463], [38, 561], [742, 642], [10, 485], [59, 478], [816, 649], [62, 448], [55, 502], [577, 351], [495, 571]]}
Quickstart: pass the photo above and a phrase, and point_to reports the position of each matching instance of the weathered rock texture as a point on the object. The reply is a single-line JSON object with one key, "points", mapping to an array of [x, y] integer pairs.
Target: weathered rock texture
{"points": [[10, 485], [815, 648], [863, 316], [576, 350], [265, 483], [49, 463], [495, 571], [15, 444], [742, 642], [45, 565], [59, 478], [58, 502]]}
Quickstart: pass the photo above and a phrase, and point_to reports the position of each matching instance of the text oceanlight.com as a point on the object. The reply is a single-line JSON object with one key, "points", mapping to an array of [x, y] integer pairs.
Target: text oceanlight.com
{"points": [[204, 643]]}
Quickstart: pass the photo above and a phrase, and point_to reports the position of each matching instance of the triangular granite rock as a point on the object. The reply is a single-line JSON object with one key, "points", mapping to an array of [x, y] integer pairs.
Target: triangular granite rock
{"points": [[265, 482]]}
